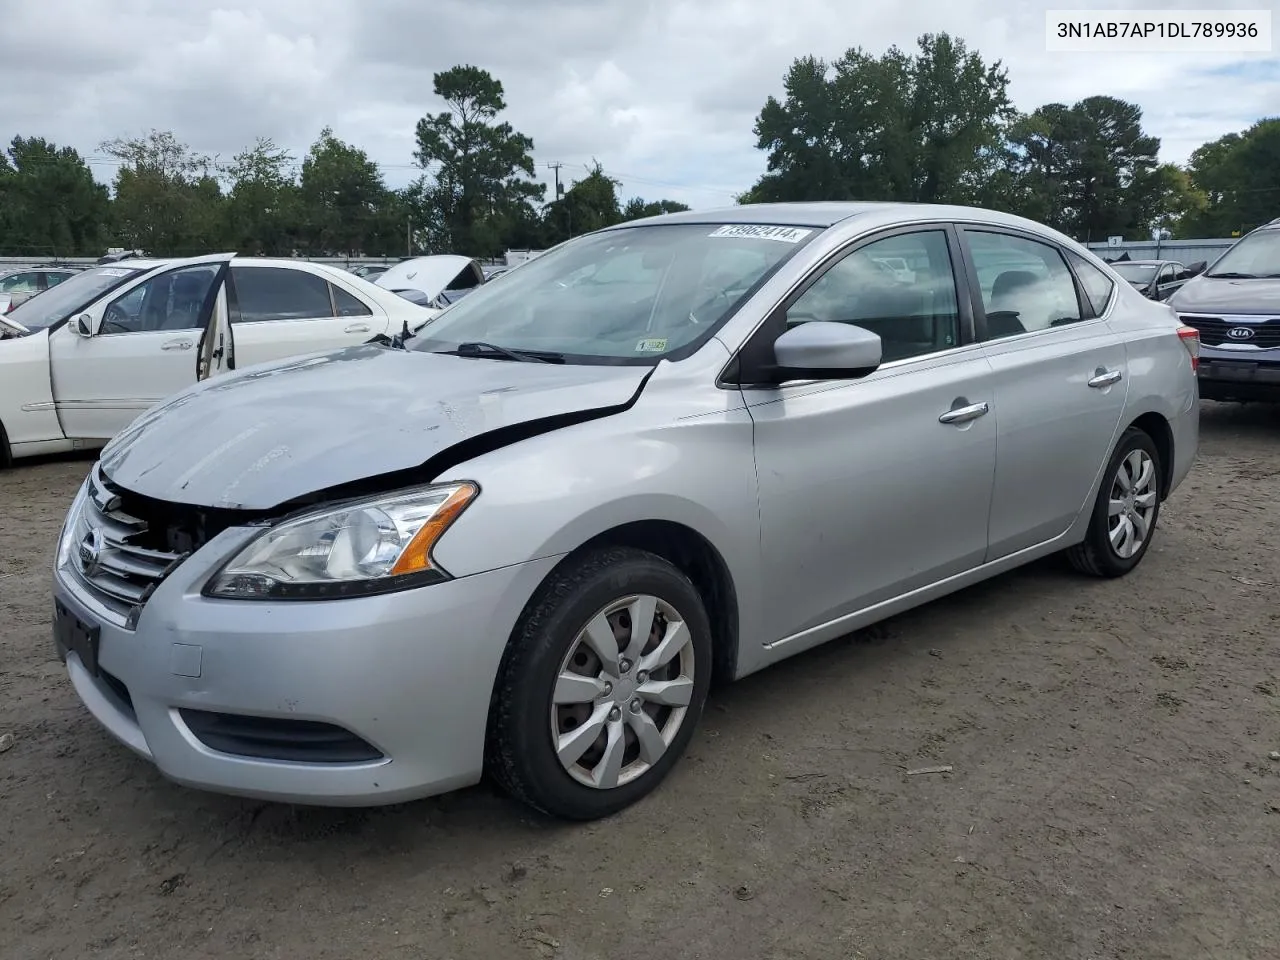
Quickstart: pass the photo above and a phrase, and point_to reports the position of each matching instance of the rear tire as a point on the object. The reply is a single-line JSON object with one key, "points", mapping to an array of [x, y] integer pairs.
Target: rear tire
{"points": [[1125, 512], [588, 716], [6, 452]]}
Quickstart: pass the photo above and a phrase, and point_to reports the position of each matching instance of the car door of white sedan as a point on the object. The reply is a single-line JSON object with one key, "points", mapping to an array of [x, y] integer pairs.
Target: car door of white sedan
{"points": [[280, 311], [874, 487], [1060, 384], [146, 347]]}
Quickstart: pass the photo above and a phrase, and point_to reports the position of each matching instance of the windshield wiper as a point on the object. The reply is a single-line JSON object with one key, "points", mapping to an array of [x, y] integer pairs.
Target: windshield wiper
{"points": [[1231, 275], [479, 348]]}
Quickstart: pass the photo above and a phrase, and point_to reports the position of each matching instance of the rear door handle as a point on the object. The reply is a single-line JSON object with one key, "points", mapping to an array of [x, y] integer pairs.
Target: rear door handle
{"points": [[965, 414], [176, 345], [1105, 379], [357, 328]]}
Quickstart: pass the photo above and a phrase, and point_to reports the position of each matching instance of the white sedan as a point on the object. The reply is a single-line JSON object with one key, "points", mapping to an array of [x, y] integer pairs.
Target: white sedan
{"points": [[82, 360]]}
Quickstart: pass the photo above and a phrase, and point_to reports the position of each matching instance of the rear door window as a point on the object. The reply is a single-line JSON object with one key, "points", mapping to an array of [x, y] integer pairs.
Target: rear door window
{"points": [[278, 293]]}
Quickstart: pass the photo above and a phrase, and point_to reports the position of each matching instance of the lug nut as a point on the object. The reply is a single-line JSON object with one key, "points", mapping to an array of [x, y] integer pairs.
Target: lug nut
{"points": [[642, 676], [636, 705], [615, 714], [608, 688], [624, 665]]}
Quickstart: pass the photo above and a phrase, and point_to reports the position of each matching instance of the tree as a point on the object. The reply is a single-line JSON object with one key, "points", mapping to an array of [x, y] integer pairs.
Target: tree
{"points": [[924, 128], [346, 206], [478, 184], [50, 203], [1239, 177], [590, 203], [263, 205], [1087, 169], [167, 198], [637, 208]]}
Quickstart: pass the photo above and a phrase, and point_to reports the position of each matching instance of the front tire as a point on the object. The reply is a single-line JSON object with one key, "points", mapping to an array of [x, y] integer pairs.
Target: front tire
{"points": [[601, 686], [1125, 512]]}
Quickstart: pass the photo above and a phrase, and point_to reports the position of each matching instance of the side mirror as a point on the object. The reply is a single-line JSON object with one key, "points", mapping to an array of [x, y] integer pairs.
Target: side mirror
{"points": [[1197, 268], [83, 325], [822, 350]]}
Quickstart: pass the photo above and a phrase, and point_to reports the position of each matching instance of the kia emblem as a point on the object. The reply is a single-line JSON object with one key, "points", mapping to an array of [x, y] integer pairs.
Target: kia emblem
{"points": [[1241, 333]]}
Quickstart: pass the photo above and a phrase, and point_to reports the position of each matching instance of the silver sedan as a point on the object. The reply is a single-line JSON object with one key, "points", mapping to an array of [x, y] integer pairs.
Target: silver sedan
{"points": [[527, 539]]}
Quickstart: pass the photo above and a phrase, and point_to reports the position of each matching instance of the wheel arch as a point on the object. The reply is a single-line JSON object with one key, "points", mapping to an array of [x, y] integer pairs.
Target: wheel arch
{"points": [[6, 452], [1157, 427]]}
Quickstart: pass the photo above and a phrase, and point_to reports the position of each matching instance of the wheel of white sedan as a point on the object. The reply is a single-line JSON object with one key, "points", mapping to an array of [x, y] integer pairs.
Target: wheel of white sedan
{"points": [[1125, 513], [602, 685]]}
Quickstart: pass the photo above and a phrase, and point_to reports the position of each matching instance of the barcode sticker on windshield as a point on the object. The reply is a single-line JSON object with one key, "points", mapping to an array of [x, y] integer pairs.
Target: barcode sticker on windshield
{"points": [[113, 272], [751, 231]]}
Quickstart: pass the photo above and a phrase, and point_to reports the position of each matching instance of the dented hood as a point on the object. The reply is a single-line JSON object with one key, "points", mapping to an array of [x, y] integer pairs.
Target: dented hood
{"points": [[267, 435]]}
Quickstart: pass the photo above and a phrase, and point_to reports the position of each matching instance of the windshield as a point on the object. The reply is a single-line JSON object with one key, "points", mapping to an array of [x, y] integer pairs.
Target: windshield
{"points": [[68, 297], [1140, 273], [627, 296], [1257, 255]]}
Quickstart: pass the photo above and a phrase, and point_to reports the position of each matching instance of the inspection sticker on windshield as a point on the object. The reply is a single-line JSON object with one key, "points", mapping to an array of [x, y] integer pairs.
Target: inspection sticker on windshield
{"points": [[753, 231], [656, 345], [113, 272]]}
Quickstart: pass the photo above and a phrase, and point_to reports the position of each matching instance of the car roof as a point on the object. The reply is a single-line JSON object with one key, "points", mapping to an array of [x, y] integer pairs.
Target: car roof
{"points": [[827, 213]]}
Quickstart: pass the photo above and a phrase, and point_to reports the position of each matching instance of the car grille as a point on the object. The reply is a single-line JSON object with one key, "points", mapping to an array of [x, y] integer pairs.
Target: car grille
{"points": [[1215, 331], [105, 554]]}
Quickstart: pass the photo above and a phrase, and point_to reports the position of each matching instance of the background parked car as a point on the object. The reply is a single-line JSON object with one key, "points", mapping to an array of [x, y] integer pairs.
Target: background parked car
{"points": [[19, 284], [1156, 279], [1235, 305], [82, 360], [443, 278]]}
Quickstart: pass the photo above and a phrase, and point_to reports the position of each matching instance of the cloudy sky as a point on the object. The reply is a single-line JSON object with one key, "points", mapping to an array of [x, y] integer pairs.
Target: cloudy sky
{"points": [[662, 92]]}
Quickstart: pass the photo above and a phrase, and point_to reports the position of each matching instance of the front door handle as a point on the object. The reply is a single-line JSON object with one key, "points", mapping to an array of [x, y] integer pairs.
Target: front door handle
{"points": [[964, 414], [176, 345], [1105, 379], [357, 328]]}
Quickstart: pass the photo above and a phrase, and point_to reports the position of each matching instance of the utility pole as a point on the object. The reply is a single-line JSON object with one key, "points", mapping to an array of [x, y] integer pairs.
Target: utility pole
{"points": [[560, 193], [408, 237]]}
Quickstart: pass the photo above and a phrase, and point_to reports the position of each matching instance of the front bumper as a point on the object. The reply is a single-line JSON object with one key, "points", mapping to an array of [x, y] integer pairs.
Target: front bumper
{"points": [[1236, 377], [409, 674]]}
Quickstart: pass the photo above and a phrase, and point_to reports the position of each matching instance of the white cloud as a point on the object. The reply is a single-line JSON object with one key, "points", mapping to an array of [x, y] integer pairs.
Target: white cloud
{"points": [[662, 92]]}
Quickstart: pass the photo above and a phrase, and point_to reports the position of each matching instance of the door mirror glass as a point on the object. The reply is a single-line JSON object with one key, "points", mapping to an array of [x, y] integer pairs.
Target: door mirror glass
{"points": [[1196, 268], [83, 325], [824, 350]]}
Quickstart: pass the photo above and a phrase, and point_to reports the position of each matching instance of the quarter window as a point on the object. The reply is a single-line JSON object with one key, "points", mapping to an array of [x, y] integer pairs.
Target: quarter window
{"points": [[901, 288], [348, 304], [278, 293], [1025, 284], [1097, 285]]}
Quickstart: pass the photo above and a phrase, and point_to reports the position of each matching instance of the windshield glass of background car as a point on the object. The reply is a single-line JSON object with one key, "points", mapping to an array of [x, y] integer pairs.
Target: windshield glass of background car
{"points": [[1257, 255], [1135, 272], [71, 296], [631, 295]]}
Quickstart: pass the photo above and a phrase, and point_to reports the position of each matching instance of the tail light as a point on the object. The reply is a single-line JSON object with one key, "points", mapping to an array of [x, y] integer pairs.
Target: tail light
{"points": [[1190, 338]]}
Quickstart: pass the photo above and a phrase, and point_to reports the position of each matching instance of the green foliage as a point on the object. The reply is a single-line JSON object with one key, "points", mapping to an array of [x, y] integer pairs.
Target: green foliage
{"points": [[478, 186], [49, 202], [1238, 177], [921, 128]]}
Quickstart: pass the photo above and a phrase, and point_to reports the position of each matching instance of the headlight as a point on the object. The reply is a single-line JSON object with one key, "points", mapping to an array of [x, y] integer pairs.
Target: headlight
{"points": [[67, 537], [356, 549]]}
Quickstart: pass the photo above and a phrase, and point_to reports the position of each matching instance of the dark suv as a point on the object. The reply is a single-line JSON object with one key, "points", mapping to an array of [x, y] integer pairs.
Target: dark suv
{"points": [[1235, 305]]}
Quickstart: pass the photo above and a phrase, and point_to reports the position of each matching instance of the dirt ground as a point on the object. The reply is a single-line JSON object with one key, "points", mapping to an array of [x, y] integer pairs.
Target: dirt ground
{"points": [[1112, 792]]}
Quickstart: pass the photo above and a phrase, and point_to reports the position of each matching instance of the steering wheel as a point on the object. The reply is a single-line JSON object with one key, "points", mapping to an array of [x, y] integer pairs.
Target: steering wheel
{"points": [[115, 316]]}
